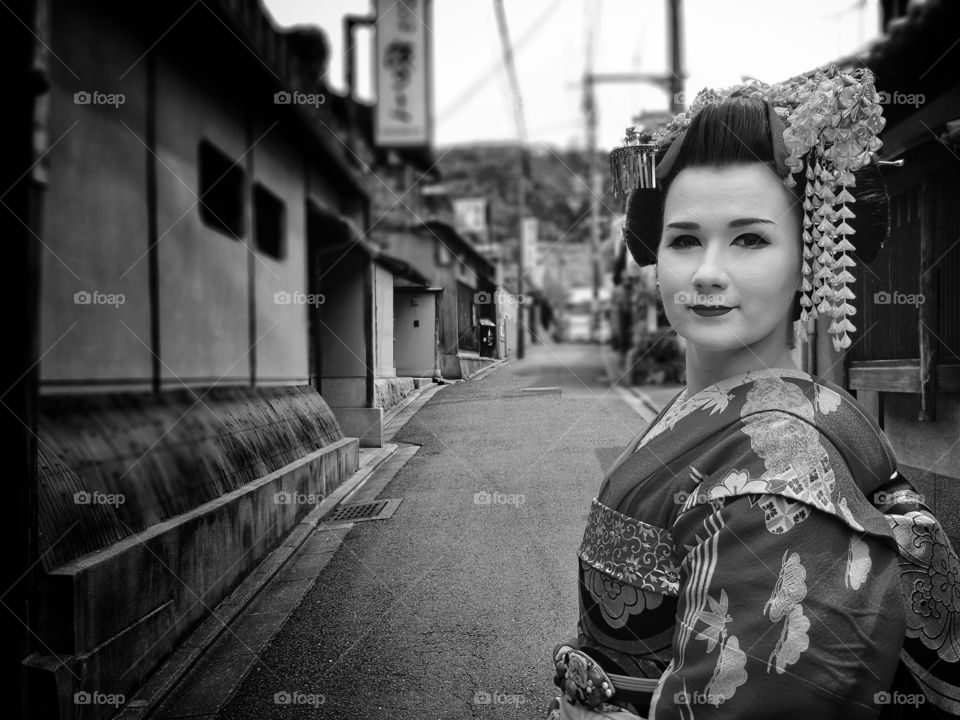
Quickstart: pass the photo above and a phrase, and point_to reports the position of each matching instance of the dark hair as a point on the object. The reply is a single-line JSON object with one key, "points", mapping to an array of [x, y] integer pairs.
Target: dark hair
{"points": [[735, 131], [732, 132]]}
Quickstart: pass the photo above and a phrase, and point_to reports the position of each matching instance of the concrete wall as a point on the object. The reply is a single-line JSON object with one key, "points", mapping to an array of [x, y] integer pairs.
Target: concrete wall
{"points": [[96, 224], [204, 294], [384, 329], [282, 351], [123, 609], [95, 215], [342, 336], [415, 328]]}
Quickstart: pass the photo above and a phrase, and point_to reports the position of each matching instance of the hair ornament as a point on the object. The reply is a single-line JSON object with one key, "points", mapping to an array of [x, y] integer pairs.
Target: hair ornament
{"points": [[824, 125]]}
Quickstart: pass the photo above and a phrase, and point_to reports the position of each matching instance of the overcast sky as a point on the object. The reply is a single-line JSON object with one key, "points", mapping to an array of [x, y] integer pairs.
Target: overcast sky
{"points": [[724, 40]]}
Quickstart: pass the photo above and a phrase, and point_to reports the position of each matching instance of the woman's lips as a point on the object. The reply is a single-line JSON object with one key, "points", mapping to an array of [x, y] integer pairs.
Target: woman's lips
{"points": [[710, 311]]}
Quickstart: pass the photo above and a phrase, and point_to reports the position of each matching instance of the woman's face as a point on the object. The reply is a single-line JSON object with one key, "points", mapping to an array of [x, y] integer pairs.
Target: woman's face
{"points": [[729, 260]]}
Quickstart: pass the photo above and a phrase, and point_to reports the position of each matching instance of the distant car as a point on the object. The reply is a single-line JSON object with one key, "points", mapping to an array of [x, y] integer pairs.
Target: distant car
{"points": [[576, 328]]}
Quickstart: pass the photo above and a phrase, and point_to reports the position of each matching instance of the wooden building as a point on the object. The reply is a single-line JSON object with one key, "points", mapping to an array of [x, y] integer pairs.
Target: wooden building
{"points": [[212, 322], [905, 361]]}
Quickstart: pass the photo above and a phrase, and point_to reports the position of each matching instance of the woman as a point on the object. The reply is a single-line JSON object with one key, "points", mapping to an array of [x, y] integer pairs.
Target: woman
{"points": [[734, 564]]}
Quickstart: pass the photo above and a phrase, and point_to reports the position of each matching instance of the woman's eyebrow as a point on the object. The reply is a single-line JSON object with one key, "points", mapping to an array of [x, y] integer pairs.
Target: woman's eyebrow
{"points": [[739, 222], [750, 221]]}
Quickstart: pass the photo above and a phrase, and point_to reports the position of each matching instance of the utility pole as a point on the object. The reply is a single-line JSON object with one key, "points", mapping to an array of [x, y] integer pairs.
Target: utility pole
{"points": [[671, 81], [521, 205], [524, 163]]}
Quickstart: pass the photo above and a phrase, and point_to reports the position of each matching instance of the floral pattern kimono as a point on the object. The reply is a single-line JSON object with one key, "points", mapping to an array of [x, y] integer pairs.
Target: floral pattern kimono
{"points": [[733, 554]]}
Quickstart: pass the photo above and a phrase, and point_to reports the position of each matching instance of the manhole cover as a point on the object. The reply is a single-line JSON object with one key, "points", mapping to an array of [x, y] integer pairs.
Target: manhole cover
{"points": [[358, 512]]}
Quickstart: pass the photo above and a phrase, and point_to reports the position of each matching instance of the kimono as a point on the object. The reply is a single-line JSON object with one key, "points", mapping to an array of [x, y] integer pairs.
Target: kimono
{"points": [[735, 554]]}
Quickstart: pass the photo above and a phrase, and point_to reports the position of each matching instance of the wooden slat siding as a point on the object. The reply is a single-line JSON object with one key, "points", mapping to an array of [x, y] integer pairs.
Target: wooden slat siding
{"points": [[900, 376], [103, 443], [896, 269], [928, 326], [947, 243]]}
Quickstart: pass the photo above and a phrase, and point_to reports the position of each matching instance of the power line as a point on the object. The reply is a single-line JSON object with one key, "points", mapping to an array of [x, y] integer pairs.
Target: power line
{"points": [[518, 116], [494, 68]]}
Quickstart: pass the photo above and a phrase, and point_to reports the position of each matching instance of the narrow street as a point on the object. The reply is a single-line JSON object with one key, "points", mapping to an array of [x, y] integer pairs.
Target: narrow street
{"points": [[450, 608]]}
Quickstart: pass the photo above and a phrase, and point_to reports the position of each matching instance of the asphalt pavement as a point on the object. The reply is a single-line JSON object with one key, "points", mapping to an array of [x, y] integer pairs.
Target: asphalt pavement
{"points": [[449, 608]]}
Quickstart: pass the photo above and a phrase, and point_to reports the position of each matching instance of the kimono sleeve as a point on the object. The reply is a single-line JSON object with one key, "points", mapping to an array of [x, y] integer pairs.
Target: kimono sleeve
{"points": [[796, 624]]}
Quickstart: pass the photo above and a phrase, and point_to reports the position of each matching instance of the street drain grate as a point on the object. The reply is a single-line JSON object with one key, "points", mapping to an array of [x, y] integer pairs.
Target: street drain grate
{"points": [[359, 512]]}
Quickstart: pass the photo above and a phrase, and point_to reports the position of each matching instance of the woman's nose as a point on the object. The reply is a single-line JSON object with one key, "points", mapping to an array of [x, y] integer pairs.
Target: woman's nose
{"points": [[711, 272]]}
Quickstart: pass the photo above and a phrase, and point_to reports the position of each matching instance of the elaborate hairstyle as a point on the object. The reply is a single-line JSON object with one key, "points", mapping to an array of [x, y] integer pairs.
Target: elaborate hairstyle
{"points": [[828, 159]]}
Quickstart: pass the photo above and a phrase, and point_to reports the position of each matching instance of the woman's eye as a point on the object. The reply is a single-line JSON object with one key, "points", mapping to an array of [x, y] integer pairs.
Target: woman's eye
{"points": [[682, 241], [751, 240]]}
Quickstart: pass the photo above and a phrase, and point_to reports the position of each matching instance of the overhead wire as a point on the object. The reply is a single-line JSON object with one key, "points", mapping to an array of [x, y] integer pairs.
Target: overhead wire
{"points": [[494, 69]]}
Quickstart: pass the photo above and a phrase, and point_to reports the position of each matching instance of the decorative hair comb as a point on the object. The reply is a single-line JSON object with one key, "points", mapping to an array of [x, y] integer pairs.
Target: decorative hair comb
{"points": [[824, 125]]}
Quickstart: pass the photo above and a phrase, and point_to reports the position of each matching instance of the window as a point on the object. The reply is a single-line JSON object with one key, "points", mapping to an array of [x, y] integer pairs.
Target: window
{"points": [[221, 191], [270, 222]]}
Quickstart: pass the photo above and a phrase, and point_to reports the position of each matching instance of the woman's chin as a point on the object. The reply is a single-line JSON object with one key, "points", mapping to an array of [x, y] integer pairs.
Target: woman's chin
{"points": [[716, 339]]}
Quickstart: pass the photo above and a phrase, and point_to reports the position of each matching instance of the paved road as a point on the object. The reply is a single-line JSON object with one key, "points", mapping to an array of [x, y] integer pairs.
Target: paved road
{"points": [[450, 608]]}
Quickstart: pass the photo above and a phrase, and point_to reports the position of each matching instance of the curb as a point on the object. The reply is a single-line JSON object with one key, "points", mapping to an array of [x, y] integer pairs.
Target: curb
{"points": [[488, 369], [612, 378], [231, 612], [190, 653], [645, 399]]}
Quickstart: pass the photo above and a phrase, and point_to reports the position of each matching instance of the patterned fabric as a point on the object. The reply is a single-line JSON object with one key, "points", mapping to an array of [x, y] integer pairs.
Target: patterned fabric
{"points": [[630, 551], [735, 556]]}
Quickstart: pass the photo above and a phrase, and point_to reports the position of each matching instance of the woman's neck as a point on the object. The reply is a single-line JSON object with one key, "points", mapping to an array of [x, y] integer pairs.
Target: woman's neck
{"points": [[705, 368]]}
